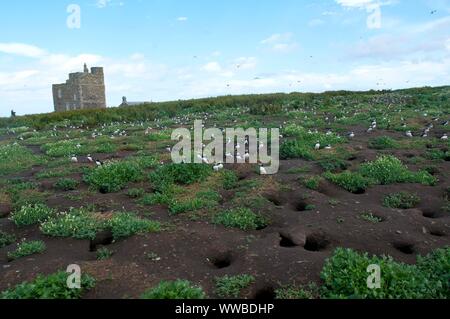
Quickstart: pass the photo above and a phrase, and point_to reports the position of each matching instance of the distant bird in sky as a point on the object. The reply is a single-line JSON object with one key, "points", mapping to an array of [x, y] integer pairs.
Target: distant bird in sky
{"points": [[433, 12]]}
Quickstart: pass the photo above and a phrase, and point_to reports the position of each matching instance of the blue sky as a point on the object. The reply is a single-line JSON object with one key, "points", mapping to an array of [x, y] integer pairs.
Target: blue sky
{"points": [[155, 50]]}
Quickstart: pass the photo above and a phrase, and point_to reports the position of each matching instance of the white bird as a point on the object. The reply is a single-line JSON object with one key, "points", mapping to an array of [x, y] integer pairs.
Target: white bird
{"points": [[444, 137], [317, 147], [370, 130], [74, 159], [218, 167], [409, 134], [89, 158], [328, 147], [262, 171], [98, 163], [352, 135]]}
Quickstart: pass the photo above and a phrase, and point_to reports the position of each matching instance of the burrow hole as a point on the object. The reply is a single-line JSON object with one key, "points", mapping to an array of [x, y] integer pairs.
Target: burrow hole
{"points": [[406, 248], [316, 242]]}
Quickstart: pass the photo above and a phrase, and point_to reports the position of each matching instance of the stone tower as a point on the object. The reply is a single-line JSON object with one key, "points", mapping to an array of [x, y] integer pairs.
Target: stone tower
{"points": [[83, 90]]}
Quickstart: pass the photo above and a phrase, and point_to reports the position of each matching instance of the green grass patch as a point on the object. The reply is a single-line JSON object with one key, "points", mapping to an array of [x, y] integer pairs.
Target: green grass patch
{"points": [[231, 286], [53, 286], [6, 239], [401, 200], [15, 158], [27, 248], [113, 176], [241, 218], [66, 184], [31, 214], [179, 289], [345, 276]]}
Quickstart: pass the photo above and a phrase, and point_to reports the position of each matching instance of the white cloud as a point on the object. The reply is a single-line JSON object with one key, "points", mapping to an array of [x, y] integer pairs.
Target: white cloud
{"points": [[182, 19], [355, 3], [246, 63], [212, 67], [22, 50], [315, 22], [282, 43]]}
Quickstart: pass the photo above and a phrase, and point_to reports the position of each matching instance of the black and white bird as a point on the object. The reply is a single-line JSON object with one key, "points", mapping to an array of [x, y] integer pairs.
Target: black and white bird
{"points": [[444, 137], [74, 159], [90, 159], [409, 134], [98, 162]]}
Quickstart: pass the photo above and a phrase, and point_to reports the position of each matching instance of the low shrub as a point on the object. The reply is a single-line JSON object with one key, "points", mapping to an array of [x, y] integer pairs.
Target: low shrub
{"points": [[345, 276], [27, 248], [124, 225], [66, 184], [230, 179], [183, 174], [104, 253], [31, 214], [179, 289], [402, 200], [333, 164], [76, 223], [311, 291], [382, 143], [6, 239], [312, 183], [113, 176], [53, 286], [294, 150], [387, 170], [352, 182], [242, 218], [136, 192], [231, 286]]}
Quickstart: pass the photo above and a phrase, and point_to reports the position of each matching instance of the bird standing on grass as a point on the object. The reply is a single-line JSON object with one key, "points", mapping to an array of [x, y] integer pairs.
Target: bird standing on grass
{"points": [[444, 137], [317, 146], [409, 134]]}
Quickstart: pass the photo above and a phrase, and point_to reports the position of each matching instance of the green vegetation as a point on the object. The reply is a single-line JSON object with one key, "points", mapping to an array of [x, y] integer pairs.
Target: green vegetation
{"points": [[76, 223], [345, 276], [402, 200], [82, 224], [104, 253], [136, 192], [389, 170], [15, 158], [333, 164], [352, 182], [311, 291], [31, 214], [125, 225], [230, 180], [180, 289], [242, 218], [113, 176], [371, 218], [231, 286], [313, 182], [382, 143], [49, 287], [27, 248], [183, 174], [6, 239], [66, 184]]}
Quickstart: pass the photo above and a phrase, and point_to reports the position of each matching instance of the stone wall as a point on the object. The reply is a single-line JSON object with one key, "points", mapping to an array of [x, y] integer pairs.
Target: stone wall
{"points": [[83, 90]]}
